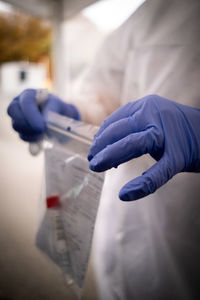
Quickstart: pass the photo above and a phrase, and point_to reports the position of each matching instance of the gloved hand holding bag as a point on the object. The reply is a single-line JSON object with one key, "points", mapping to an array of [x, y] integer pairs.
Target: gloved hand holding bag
{"points": [[168, 131]]}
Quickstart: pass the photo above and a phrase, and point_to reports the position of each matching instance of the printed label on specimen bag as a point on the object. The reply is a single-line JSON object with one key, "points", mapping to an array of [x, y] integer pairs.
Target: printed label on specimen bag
{"points": [[66, 230]]}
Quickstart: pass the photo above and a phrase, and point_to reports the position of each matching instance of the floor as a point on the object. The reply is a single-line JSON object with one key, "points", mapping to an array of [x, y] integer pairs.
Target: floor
{"points": [[25, 273]]}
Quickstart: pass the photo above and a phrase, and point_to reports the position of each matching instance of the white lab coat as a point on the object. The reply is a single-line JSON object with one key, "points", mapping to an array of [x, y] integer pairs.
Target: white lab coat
{"points": [[147, 249]]}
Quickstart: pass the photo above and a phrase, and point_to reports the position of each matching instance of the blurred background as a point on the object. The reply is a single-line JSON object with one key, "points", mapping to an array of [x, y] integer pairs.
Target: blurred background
{"points": [[43, 44]]}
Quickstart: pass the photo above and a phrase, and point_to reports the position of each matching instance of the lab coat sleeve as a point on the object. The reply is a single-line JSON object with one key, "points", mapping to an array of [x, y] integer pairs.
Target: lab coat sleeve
{"points": [[98, 92]]}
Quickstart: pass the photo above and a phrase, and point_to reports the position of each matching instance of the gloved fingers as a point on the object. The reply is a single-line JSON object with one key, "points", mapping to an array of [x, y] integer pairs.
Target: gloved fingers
{"points": [[14, 111], [111, 134], [149, 182], [22, 126], [30, 137], [121, 113], [11, 107], [132, 146], [30, 110], [19, 123]]}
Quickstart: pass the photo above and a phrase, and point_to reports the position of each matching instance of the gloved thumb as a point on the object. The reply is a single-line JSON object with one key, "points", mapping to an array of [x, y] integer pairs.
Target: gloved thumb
{"points": [[58, 106], [50, 105], [148, 183]]}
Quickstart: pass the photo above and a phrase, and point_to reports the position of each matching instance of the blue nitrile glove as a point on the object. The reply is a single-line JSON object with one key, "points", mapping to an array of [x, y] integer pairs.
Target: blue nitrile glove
{"points": [[29, 121], [168, 131]]}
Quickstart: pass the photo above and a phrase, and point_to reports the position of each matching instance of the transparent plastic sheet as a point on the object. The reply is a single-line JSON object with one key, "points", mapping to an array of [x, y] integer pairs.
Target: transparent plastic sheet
{"points": [[70, 200]]}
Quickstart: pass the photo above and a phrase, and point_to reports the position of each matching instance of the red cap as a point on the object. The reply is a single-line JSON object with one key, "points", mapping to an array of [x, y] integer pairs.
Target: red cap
{"points": [[52, 201]]}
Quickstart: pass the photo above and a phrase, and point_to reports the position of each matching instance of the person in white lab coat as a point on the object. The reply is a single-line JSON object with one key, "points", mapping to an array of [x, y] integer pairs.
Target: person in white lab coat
{"points": [[148, 249]]}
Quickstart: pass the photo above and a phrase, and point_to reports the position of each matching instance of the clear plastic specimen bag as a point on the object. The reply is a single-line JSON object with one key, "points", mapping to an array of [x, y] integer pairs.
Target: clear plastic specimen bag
{"points": [[71, 198]]}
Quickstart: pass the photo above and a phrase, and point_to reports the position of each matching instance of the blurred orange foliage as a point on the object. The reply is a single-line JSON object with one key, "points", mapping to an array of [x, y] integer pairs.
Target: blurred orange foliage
{"points": [[23, 38]]}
